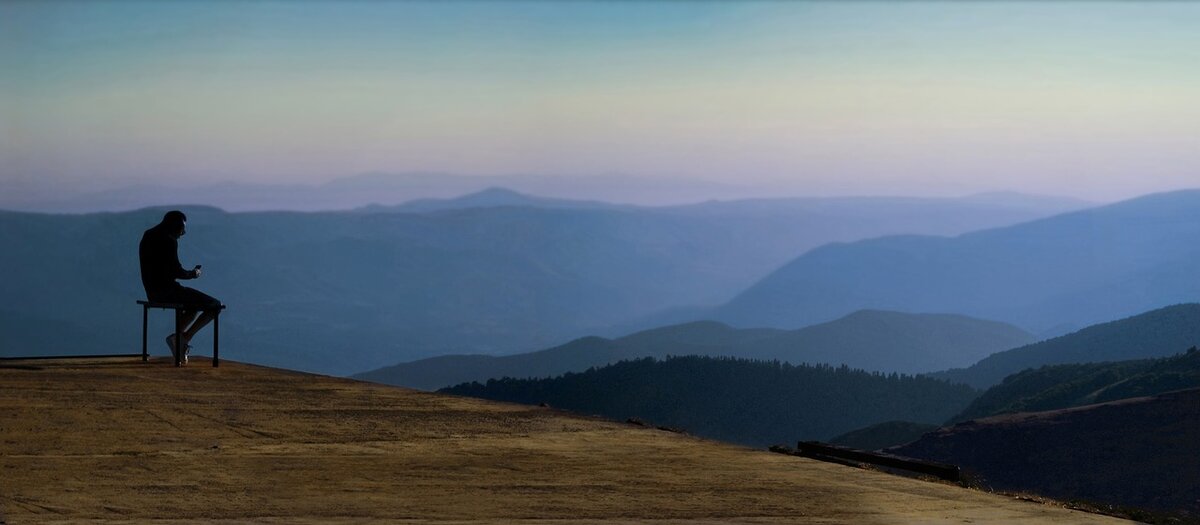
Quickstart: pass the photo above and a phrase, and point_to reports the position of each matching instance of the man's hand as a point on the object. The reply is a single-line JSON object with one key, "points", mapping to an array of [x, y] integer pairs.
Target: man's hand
{"points": [[196, 271]]}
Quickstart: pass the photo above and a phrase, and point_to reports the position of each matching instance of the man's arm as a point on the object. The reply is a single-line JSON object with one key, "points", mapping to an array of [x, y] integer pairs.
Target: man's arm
{"points": [[177, 270]]}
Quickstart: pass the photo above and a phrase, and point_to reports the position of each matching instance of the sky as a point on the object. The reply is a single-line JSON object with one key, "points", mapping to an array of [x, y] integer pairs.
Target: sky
{"points": [[1092, 100]]}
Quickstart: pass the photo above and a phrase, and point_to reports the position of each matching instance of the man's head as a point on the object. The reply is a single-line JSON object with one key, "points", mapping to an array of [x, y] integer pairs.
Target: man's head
{"points": [[175, 223]]}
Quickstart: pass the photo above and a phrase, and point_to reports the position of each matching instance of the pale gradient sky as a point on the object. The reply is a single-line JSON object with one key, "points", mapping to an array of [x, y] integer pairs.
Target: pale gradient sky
{"points": [[1093, 100]]}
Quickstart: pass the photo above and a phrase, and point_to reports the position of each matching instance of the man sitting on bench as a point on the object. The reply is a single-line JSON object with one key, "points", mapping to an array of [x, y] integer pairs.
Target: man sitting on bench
{"points": [[159, 254]]}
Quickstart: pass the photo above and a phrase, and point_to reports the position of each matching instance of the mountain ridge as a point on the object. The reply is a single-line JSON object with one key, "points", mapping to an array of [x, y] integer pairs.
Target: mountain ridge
{"points": [[1076, 268], [1160, 332], [390, 189], [870, 339]]}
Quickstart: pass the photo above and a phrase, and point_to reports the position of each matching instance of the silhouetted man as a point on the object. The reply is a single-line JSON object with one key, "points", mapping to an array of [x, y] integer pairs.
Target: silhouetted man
{"points": [[159, 254]]}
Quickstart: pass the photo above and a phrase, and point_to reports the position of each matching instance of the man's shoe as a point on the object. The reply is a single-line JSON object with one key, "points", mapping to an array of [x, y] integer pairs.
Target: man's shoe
{"points": [[174, 350]]}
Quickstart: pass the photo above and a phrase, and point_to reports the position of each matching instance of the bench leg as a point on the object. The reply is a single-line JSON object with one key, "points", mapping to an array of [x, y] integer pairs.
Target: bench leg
{"points": [[216, 338], [178, 337], [145, 318]]}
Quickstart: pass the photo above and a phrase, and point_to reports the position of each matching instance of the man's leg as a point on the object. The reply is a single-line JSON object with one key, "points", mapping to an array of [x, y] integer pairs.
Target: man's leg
{"points": [[187, 316], [203, 302], [202, 321], [179, 344]]}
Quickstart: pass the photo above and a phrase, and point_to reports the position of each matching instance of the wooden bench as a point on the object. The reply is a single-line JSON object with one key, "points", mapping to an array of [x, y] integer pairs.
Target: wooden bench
{"points": [[179, 309]]}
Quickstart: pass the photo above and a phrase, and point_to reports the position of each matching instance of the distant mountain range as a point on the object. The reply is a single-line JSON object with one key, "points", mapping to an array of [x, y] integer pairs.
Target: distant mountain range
{"points": [[751, 402], [342, 292], [1073, 269], [1101, 363], [1101, 373], [29, 193], [1157, 333], [490, 198], [1137, 452], [869, 340]]}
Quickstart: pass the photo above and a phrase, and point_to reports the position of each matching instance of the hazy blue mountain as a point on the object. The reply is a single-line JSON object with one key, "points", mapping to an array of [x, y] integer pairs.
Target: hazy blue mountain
{"points": [[489, 198], [699, 338], [751, 402], [881, 341], [340, 292], [907, 211], [1077, 268], [870, 340], [1158, 333], [1138, 452], [390, 189], [393, 188], [356, 191], [1065, 386]]}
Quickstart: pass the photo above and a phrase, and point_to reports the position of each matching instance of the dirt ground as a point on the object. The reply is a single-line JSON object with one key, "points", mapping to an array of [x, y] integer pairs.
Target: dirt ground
{"points": [[116, 440]]}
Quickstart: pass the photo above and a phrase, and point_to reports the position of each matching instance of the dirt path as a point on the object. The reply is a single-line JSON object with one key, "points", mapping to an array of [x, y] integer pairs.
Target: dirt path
{"points": [[118, 440]]}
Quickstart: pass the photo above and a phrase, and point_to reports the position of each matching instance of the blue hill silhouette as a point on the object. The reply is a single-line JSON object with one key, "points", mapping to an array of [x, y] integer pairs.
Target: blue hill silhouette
{"points": [[1157, 333], [871, 340], [1077, 269]]}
